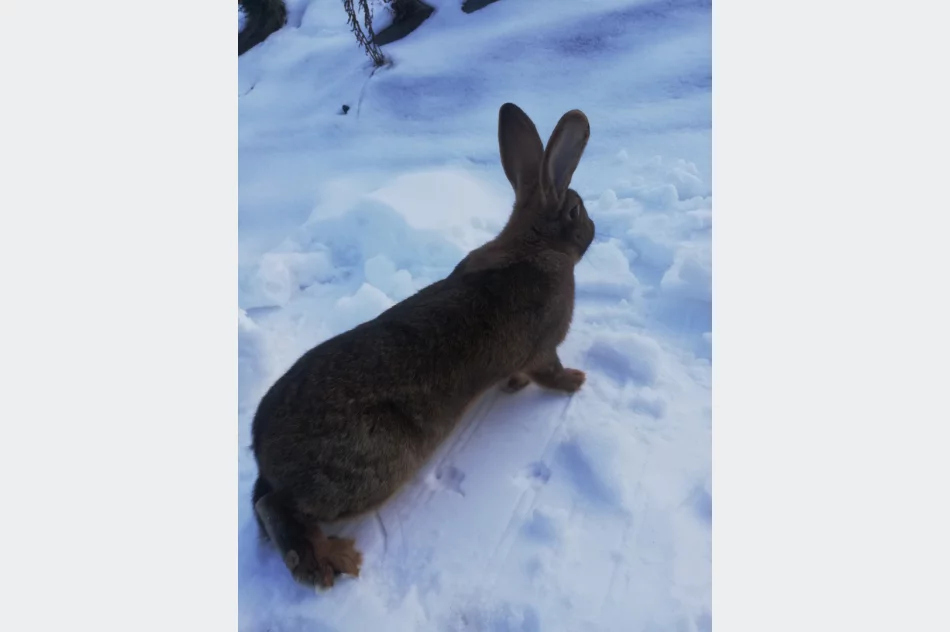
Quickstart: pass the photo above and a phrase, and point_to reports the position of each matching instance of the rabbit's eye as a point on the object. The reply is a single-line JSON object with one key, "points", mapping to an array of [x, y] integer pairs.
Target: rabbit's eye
{"points": [[573, 212]]}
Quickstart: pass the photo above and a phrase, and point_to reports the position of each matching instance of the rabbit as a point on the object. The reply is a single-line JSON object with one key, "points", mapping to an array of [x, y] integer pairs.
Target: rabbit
{"points": [[358, 415]]}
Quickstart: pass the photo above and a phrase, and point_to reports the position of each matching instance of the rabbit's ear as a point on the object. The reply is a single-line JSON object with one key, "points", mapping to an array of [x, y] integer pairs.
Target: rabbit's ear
{"points": [[563, 153], [520, 146]]}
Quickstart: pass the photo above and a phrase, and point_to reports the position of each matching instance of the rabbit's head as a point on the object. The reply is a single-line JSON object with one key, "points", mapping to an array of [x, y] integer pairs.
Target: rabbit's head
{"points": [[546, 208]]}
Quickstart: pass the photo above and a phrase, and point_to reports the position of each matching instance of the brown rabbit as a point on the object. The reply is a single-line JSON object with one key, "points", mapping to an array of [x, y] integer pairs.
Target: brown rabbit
{"points": [[359, 414]]}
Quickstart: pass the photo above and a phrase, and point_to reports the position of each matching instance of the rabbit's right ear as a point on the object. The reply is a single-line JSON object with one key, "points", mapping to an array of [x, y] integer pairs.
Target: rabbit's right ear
{"points": [[521, 148], [564, 152]]}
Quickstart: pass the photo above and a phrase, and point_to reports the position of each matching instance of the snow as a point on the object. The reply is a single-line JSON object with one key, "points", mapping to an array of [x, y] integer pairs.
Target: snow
{"points": [[542, 512]]}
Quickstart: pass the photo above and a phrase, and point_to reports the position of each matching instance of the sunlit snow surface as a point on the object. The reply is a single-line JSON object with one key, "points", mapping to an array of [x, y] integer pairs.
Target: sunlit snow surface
{"points": [[542, 512]]}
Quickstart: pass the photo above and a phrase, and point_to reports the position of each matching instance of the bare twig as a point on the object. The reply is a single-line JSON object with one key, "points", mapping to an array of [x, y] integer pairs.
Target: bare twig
{"points": [[368, 43]]}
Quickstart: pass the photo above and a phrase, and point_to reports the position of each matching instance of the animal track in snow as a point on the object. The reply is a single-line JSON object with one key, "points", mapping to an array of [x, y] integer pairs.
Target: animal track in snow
{"points": [[448, 477], [535, 474]]}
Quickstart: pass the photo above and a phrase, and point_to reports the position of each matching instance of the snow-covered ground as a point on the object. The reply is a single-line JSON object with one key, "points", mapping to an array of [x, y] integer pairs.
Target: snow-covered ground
{"points": [[543, 512]]}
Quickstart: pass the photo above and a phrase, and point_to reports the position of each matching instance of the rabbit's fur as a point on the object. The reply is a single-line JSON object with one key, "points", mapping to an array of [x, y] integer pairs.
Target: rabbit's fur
{"points": [[359, 414]]}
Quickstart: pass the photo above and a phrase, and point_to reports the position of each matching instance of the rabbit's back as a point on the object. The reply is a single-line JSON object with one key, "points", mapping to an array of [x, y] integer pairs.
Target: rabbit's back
{"points": [[358, 414]]}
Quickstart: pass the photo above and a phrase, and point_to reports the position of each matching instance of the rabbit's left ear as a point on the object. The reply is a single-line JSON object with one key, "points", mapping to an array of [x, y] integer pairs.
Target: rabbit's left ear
{"points": [[563, 153], [520, 146]]}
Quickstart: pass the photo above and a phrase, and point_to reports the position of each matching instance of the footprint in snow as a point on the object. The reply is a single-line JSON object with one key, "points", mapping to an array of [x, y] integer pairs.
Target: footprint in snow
{"points": [[448, 477], [535, 474]]}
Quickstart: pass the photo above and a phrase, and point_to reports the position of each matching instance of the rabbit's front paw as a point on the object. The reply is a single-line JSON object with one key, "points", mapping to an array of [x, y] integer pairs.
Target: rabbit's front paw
{"points": [[559, 379], [569, 380]]}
